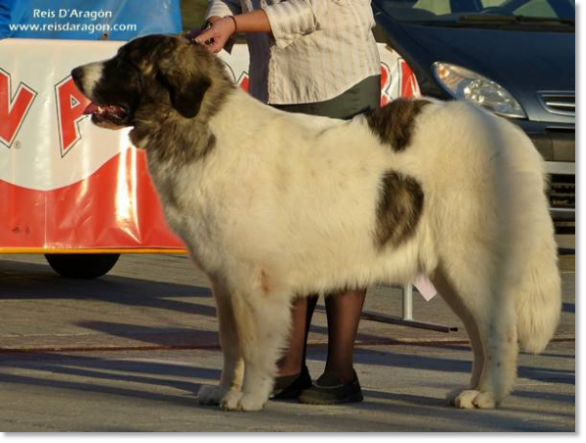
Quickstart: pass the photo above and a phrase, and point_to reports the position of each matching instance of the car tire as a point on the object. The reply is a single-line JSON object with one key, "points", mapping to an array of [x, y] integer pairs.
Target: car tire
{"points": [[82, 266]]}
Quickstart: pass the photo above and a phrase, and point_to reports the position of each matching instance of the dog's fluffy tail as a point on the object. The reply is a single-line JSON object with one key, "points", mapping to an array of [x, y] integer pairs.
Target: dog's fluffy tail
{"points": [[532, 250], [540, 298]]}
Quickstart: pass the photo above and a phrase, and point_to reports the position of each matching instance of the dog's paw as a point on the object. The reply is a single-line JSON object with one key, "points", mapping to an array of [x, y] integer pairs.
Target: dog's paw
{"points": [[472, 399], [229, 401], [251, 402], [465, 399], [209, 395], [238, 401], [485, 400]]}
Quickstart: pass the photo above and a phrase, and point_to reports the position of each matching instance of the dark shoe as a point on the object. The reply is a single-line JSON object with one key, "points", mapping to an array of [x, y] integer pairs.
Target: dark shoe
{"points": [[329, 390], [291, 386]]}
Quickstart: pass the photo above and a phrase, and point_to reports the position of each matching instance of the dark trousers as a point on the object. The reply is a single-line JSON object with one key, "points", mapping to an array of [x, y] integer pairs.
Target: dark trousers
{"points": [[360, 98]]}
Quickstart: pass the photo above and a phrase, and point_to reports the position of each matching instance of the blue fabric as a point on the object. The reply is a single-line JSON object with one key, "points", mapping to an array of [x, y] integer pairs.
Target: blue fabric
{"points": [[89, 19], [4, 18]]}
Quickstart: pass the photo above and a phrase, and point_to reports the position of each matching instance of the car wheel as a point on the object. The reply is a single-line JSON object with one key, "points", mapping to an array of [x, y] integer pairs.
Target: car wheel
{"points": [[84, 266]]}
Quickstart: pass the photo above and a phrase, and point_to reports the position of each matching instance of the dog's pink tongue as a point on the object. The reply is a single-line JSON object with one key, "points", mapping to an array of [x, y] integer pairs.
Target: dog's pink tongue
{"points": [[91, 108]]}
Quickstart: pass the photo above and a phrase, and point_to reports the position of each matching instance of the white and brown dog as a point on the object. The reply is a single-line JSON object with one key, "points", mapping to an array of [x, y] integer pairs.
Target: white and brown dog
{"points": [[274, 205]]}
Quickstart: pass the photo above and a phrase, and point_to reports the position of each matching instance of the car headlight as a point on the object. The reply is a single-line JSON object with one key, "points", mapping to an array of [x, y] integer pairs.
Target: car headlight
{"points": [[464, 84]]}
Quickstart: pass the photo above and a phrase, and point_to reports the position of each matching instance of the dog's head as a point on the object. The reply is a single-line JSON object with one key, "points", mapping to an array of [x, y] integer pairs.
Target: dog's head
{"points": [[148, 75]]}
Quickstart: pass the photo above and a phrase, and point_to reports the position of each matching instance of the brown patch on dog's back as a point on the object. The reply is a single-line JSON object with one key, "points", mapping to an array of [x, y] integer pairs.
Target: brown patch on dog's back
{"points": [[399, 209], [395, 122]]}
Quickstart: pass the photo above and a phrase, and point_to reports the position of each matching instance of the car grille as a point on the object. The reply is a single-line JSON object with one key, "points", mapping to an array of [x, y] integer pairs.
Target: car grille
{"points": [[563, 103], [562, 191]]}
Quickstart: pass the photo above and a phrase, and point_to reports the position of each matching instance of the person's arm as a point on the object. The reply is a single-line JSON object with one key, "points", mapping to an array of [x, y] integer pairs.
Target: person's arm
{"points": [[215, 38], [215, 11], [285, 21]]}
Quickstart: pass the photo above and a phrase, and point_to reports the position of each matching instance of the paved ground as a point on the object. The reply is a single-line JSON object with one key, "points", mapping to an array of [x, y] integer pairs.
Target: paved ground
{"points": [[128, 352]]}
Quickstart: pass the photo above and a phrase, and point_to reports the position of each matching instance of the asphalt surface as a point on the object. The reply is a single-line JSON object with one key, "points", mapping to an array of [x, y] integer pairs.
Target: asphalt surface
{"points": [[129, 351]]}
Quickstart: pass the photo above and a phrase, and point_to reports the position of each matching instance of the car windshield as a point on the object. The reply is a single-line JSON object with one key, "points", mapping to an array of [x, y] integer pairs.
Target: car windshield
{"points": [[481, 12]]}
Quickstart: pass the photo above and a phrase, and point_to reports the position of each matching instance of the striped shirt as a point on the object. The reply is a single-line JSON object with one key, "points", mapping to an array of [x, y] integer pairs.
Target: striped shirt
{"points": [[318, 48]]}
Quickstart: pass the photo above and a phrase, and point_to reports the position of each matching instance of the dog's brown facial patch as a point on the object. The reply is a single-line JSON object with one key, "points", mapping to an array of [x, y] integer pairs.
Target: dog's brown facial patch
{"points": [[168, 90], [187, 87], [399, 209], [394, 123]]}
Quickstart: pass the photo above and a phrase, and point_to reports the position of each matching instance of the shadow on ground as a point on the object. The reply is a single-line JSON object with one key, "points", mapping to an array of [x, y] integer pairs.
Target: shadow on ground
{"points": [[113, 289]]}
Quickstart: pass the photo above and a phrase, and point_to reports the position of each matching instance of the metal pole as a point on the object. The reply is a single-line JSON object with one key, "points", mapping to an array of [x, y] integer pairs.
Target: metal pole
{"points": [[408, 302], [407, 319]]}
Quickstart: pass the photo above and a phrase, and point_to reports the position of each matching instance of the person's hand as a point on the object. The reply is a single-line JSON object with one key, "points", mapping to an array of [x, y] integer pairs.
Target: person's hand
{"points": [[191, 34], [214, 39], [195, 32]]}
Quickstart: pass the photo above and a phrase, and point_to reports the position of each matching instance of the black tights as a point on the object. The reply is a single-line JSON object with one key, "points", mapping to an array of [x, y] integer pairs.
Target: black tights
{"points": [[343, 313]]}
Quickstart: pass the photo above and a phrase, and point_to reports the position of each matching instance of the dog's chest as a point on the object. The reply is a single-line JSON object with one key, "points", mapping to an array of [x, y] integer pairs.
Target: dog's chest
{"points": [[189, 206]]}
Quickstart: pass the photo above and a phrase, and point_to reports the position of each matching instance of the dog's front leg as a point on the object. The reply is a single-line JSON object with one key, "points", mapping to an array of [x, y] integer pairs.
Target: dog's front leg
{"points": [[230, 385], [264, 323]]}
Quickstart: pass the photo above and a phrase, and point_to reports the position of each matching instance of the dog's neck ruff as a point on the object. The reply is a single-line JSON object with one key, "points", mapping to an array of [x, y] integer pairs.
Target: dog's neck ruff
{"points": [[170, 137]]}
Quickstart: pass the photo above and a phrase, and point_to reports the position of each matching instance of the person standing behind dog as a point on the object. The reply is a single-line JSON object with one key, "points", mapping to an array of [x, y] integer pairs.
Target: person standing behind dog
{"points": [[314, 57]]}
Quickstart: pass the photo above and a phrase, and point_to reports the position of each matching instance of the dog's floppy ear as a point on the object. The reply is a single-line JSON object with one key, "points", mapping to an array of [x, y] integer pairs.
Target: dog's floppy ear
{"points": [[186, 83]]}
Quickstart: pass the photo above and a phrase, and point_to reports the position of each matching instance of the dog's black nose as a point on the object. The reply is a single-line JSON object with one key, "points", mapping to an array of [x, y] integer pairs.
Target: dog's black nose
{"points": [[77, 73]]}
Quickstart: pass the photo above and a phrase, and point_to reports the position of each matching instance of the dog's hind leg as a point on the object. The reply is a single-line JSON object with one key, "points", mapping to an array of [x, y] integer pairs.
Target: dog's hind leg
{"points": [[498, 329], [455, 302], [264, 322], [233, 370], [487, 309]]}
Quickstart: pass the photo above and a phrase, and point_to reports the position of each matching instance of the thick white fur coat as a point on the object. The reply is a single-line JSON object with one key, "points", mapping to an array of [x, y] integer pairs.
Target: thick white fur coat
{"points": [[285, 206]]}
